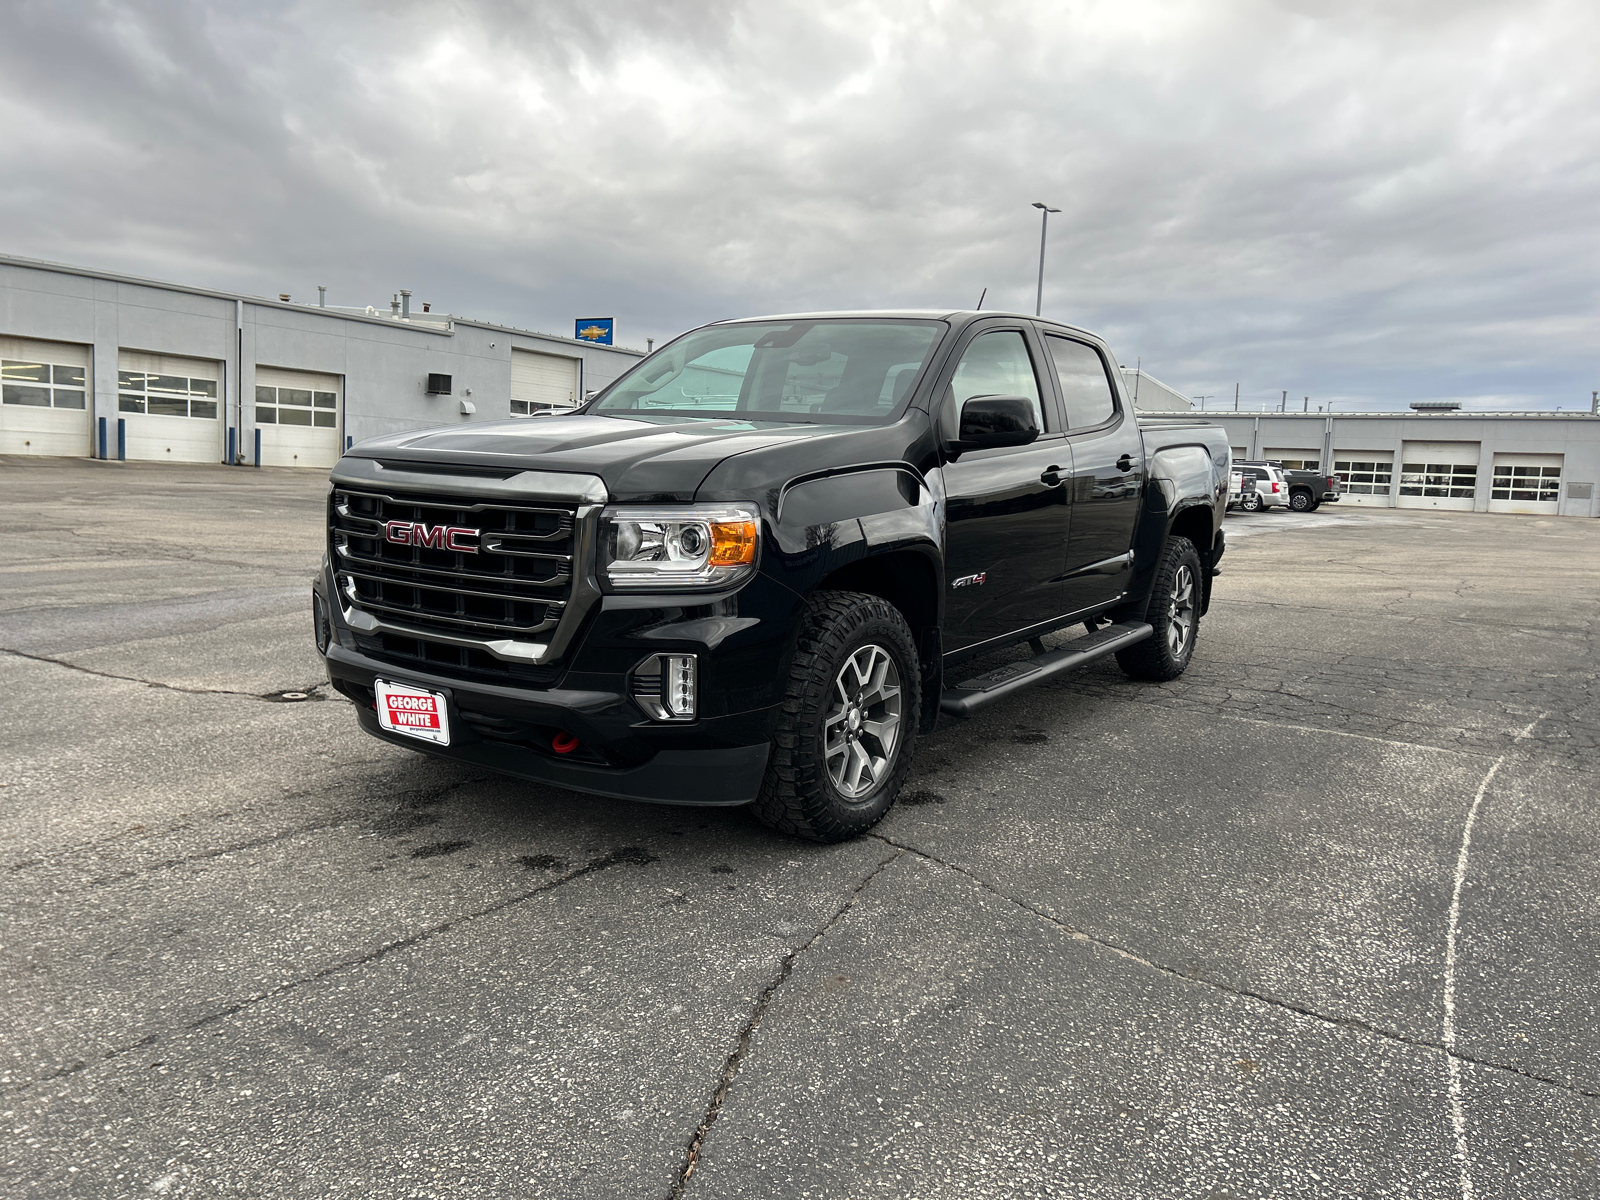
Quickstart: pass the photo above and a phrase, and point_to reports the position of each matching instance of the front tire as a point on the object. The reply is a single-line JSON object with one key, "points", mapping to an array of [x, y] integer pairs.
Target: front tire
{"points": [[848, 725], [1174, 612]]}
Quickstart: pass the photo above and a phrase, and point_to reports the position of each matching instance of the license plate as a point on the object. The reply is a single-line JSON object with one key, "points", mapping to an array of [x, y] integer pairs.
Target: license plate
{"points": [[412, 711]]}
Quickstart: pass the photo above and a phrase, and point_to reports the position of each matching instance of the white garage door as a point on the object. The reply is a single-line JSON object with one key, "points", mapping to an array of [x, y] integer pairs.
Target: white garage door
{"points": [[1367, 475], [297, 415], [44, 398], [1526, 483], [170, 406], [1296, 458], [542, 382], [1438, 475]]}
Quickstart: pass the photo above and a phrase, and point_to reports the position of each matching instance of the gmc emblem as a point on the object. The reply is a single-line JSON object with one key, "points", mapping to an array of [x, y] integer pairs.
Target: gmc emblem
{"points": [[432, 537]]}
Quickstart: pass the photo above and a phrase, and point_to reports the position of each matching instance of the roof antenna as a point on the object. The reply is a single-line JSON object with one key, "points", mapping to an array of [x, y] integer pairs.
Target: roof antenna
{"points": [[985, 292]]}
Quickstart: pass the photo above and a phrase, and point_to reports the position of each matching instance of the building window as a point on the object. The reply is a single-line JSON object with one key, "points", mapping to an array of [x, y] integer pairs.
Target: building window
{"points": [[166, 395], [1458, 481], [296, 406], [1363, 477], [41, 385], [1525, 483]]}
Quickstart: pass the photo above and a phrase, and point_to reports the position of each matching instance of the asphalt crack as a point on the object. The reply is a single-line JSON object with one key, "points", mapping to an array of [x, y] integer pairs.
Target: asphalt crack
{"points": [[1379, 1031], [409, 800], [730, 1069], [625, 855], [272, 697]]}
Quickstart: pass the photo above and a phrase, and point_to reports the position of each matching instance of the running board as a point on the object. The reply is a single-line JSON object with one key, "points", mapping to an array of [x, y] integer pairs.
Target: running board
{"points": [[963, 699]]}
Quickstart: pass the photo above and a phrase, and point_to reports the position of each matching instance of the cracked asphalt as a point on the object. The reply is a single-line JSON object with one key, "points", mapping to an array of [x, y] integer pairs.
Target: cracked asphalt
{"points": [[1185, 940]]}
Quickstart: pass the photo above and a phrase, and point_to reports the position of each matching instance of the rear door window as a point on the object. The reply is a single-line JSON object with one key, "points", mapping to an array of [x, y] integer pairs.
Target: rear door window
{"points": [[1086, 393]]}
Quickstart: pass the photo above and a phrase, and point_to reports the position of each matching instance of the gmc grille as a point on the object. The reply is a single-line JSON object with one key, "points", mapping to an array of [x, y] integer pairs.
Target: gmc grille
{"points": [[515, 587]]}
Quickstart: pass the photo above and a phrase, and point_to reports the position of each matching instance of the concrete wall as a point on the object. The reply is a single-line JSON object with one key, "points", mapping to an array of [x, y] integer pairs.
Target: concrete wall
{"points": [[1575, 436], [384, 362]]}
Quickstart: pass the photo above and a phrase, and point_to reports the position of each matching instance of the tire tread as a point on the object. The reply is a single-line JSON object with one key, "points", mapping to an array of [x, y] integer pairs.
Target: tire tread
{"points": [[793, 796]]}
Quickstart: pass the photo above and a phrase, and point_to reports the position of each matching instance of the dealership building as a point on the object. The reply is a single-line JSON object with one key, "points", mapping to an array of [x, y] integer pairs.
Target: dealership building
{"points": [[108, 366], [1438, 457]]}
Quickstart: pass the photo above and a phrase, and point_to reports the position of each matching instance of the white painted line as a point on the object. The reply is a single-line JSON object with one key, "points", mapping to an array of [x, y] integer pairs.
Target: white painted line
{"points": [[1458, 1111], [1365, 737]]}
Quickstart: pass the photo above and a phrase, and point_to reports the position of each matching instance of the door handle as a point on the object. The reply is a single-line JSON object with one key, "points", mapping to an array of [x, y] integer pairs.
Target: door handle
{"points": [[1051, 477], [1125, 463]]}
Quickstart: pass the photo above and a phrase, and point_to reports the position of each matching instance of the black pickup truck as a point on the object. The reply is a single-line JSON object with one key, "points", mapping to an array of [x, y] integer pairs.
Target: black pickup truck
{"points": [[749, 570]]}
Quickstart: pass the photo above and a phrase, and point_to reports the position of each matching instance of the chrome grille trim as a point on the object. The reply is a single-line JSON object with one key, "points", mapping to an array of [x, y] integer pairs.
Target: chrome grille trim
{"points": [[497, 600], [558, 580]]}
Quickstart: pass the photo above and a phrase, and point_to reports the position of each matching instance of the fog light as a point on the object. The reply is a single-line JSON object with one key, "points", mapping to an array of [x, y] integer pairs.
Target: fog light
{"points": [[666, 687], [678, 674]]}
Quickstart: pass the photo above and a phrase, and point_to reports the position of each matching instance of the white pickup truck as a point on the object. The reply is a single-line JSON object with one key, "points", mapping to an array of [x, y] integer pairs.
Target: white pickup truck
{"points": [[1253, 488]]}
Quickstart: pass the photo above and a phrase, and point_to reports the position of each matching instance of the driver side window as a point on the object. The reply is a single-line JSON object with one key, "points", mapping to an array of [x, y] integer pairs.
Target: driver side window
{"points": [[997, 364]]}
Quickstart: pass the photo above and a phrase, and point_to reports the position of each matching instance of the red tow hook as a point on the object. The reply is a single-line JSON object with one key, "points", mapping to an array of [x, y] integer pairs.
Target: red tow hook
{"points": [[563, 743]]}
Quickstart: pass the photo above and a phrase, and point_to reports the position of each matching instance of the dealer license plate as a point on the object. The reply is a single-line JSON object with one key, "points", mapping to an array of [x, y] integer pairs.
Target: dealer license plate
{"points": [[413, 712]]}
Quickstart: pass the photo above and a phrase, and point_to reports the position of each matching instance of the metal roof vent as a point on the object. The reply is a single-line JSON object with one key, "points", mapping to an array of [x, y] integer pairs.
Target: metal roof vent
{"points": [[1436, 406]]}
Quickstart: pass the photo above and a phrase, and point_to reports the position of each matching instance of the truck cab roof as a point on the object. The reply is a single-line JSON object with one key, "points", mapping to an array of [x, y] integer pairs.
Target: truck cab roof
{"points": [[958, 317]]}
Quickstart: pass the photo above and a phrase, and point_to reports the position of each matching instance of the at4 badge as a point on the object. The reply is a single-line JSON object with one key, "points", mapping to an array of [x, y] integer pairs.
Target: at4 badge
{"points": [[971, 580]]}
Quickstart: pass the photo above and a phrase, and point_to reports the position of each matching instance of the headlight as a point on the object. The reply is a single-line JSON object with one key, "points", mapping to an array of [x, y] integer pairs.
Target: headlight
{"points": [[698, 547]]}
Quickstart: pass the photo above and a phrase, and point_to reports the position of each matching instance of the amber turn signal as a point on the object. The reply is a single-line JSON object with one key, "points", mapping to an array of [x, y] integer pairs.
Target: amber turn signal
{"points": [[733, 543]]}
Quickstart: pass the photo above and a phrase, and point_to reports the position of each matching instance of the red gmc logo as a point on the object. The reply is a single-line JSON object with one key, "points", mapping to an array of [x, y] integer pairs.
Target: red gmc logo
{"points": [[433, 537]]}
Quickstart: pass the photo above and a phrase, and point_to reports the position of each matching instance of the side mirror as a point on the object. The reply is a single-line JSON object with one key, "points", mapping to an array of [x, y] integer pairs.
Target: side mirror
{"points": [[991, 421]]}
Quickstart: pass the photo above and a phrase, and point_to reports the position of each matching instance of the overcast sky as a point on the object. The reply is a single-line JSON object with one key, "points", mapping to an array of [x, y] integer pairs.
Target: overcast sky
{"points": [[1363, 202]]}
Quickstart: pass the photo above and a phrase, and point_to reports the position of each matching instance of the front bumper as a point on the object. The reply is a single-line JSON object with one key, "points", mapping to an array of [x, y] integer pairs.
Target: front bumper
{"points": [[711, 762]]}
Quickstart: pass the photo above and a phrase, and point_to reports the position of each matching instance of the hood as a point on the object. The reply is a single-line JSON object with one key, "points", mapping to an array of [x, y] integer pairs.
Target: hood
{"points": [[639, 458]]}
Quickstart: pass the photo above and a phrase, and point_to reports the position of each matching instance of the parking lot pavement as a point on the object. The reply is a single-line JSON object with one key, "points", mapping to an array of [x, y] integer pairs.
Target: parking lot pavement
{"points": [[1224, 937]]}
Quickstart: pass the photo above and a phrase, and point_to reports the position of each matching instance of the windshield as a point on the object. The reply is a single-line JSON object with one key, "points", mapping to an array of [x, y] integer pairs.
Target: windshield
{"points": [[834, 371]]}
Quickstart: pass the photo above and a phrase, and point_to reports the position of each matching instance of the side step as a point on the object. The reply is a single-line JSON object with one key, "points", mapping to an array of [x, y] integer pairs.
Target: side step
{"points": [[963, 699]]}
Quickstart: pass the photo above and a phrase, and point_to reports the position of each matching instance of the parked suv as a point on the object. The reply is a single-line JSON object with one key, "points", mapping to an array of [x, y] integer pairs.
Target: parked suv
{"points": [[749, 571], [1259, 486], [1307, 489]]}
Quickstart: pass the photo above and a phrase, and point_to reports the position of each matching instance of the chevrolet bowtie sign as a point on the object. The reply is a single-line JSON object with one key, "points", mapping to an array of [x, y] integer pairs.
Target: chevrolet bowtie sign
{"points": [[595, 330]]}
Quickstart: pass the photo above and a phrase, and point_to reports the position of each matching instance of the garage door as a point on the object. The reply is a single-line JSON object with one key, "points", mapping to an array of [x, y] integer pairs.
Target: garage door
{"points": [[1296, 458], [44, 398], [542, 382], [1367, 475], [297, 415], [170, 406], [1526, 483], [1438, 475]]}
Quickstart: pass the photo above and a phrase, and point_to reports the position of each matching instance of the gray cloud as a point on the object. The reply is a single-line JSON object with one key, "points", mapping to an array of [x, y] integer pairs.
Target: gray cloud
{"points": [[1363, 202]]}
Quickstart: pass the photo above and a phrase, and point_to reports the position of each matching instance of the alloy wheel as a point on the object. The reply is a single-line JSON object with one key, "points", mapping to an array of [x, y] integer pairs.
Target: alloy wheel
{"points": [[862, 728], [1180, 612]]}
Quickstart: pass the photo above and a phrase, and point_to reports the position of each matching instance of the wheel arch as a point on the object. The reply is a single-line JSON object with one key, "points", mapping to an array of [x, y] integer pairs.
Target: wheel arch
{"points": [[908, 579], [1198, 523]]}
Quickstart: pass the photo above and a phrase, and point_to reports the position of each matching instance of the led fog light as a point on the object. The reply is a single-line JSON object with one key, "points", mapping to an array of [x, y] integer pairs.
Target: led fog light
{"points": [[666, 687]]}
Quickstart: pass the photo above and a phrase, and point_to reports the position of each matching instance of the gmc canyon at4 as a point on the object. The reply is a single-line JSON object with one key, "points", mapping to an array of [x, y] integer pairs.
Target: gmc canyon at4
{"points": [[748, 571]]}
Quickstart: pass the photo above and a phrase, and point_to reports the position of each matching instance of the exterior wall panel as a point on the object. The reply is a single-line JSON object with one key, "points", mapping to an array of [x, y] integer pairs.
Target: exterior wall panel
{"points": [[1350, 436], [383, 363]]}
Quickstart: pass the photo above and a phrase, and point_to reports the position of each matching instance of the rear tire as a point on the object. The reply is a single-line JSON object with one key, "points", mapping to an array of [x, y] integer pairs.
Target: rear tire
{"points": [[1251, 502], [848, 725], [1174, 612], [1300, 501]]}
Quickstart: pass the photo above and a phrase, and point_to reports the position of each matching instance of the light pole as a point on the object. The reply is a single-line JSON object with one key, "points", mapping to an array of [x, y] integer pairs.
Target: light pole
{"points": [[1044, 226]]}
